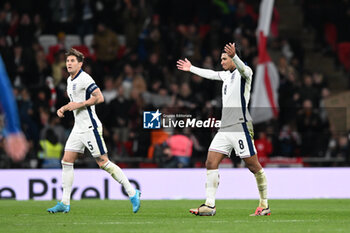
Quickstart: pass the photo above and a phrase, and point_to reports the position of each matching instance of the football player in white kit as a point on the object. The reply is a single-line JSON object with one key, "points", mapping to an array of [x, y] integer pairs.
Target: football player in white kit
{"points": [[236, 131], [84, 94]]}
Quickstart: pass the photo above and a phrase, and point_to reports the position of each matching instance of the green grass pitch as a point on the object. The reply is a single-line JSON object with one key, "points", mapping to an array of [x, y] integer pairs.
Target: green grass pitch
{"points": [[166, 216]]}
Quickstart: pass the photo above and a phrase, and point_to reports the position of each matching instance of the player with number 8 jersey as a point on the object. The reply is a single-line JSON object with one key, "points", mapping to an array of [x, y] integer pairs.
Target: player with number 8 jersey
{"points": [[236, 131], [84, 94]]}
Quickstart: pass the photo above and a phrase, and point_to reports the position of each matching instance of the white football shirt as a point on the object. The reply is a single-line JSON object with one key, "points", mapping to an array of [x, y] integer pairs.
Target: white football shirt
{"points": [[79, 89], [235, 91]]}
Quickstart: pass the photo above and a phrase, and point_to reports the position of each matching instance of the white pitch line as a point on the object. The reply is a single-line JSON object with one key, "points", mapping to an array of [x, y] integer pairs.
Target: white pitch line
{"points": [[112, 223]]}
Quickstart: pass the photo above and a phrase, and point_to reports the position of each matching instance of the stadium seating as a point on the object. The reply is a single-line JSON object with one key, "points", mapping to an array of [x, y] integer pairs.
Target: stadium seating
{"points": [[72, 40], [84, 50], [52, 51], [331, 35], [344, 54], [47, 41], [88, 39]]}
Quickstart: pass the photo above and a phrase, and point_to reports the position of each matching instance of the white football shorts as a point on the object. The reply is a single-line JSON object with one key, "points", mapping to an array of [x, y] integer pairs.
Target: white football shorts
{"points": [[91, 139], [239, 137]]}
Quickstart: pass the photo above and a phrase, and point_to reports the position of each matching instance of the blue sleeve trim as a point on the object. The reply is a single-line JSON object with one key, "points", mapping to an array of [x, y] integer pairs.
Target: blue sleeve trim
{"points": [[12, 124], [91, 88]]}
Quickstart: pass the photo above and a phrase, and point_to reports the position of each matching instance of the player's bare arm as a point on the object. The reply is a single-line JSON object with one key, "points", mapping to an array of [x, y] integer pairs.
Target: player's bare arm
{"points": [[96, 98], [230, 49], [184, 65]]}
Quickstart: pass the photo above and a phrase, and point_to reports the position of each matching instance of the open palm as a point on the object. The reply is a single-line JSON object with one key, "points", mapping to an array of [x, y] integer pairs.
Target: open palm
{"points": [[184, 65]]}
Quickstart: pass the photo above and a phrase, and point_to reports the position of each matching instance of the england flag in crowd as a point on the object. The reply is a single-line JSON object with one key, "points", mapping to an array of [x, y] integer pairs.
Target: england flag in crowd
{"points": [[264, 105]]}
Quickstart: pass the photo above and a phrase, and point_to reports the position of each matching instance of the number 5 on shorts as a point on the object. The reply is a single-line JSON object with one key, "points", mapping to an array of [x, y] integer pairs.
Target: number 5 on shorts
{"points": [[90, 145]]}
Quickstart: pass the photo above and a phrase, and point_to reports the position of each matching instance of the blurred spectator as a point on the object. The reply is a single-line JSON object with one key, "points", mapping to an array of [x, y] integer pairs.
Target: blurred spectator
{"points": [[185, 96], [6, 53], [62, 15], [178, 149], [339, 148], [283, 68], [289, 98], [127, 78], [58, 66], [109, 92], [25, 31], [309, 126], [42, 67], [286, 50], [50, 150], [133, 16], [106, 45], [308, 92], [319, 82], [85, 11], [191, 42], [21, 67], [27, 116], [39, 25], [264, 148], [119, 114], [118, 148], [54, 123], [288, 142], [154, 69], [139, 84]]}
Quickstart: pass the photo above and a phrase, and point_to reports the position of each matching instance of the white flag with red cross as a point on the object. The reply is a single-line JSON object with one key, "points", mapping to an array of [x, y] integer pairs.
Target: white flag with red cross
{"points": [[264, 104]]}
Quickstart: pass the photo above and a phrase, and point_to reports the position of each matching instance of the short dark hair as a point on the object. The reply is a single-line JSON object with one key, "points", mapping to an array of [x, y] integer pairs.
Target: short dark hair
{"points": [[238, 50], [76, 53]]}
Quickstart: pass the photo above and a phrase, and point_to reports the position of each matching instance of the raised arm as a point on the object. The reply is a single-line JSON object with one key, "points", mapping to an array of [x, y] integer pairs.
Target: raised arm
{"points": [[186, 65], [244, 70]]}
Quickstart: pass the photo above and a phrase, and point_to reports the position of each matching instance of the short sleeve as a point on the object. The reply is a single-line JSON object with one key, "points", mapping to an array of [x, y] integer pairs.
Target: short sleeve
{"points": [[90, 84]]}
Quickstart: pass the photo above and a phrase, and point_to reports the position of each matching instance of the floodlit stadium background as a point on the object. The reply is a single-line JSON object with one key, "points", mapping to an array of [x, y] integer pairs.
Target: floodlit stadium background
{"points": [[131, 48]]}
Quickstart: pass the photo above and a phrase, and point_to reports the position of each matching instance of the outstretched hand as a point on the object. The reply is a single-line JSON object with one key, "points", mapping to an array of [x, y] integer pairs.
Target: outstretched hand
{"points": [[184, 65], [230, 49]]}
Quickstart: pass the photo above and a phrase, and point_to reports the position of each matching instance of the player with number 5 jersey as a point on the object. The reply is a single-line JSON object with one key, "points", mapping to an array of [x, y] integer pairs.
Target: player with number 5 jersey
{"points": [[236, 131], [84, 94]]}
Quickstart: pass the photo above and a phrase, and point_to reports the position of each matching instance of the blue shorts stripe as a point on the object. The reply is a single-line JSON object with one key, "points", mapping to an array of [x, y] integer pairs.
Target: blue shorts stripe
{"points": [[99, 142], [249, 139], [243, 102]]}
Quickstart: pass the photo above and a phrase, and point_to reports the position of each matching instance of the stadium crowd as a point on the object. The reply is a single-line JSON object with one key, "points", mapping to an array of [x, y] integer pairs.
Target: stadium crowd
{"points": [[131, 48]]}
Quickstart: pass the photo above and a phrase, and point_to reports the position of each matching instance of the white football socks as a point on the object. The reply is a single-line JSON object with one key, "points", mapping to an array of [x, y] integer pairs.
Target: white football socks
{"points": [[262, 187], [67, 181], [119, 176], [211, 186]]}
